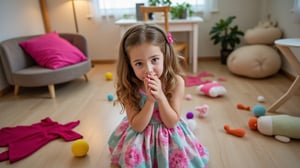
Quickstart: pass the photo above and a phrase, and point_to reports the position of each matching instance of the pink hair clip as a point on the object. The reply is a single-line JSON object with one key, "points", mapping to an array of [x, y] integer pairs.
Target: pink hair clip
{"points": [[170, 38]]}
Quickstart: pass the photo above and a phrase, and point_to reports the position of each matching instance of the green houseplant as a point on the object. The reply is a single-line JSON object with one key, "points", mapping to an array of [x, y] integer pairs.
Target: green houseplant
{"points": [[227, 35], [181, 10], [159, 2]]}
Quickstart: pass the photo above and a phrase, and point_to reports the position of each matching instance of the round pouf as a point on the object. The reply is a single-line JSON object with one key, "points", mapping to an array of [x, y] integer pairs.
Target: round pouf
{"points": [[254, 61], [260, 35]]}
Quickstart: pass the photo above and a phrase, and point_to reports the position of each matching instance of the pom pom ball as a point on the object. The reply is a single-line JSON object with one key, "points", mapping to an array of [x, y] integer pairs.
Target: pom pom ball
{"points": [[260, 99], [259, 110], [192, 124], [110, 97], [108, 76], [188, 97], [189, 115], [80, 148]]}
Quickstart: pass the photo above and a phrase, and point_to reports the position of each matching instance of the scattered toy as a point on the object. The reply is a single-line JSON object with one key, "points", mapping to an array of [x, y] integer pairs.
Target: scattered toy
{"points": [[282, 126], [243, 107], [108, 76], [259, 110], [212, 89], [239, 132], [80, 148], [202, 110]]}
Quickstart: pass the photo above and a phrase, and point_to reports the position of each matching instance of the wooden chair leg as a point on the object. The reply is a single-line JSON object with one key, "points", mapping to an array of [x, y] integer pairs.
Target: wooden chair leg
{"points": [[51, 91], [16, 90], [85, 77], [186, 57]]}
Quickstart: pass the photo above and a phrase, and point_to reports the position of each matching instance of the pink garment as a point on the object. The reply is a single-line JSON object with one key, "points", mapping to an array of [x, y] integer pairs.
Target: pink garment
{"points": [[196, 80], [25, 140]]}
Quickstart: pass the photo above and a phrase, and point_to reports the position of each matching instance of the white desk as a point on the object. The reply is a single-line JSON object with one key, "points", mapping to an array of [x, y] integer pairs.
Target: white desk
{"points": [[179, 25], [284, 46]]}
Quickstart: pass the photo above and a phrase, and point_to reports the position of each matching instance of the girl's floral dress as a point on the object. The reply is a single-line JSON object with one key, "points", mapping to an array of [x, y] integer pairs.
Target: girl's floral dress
{"points": [[156, 147]]}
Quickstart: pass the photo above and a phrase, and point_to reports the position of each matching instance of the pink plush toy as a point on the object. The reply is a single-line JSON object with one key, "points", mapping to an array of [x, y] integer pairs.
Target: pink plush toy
{"points": [[212, 89], [202, 110]]}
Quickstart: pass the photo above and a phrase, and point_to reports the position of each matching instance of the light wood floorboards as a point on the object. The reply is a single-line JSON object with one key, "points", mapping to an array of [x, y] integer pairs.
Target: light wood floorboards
{"points": [[87, 102]]}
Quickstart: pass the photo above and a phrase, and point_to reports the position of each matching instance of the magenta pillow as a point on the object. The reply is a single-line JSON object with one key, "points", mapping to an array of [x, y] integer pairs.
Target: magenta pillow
{"points": [[52, 51]]}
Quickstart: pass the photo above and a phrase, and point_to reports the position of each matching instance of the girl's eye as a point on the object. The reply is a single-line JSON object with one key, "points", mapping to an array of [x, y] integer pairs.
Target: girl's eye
{"points": [[155, 59], [138, 64]]}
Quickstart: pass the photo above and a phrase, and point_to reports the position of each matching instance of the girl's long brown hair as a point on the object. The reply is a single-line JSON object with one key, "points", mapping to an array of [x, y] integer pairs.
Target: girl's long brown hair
{"points": [[127, 84]]}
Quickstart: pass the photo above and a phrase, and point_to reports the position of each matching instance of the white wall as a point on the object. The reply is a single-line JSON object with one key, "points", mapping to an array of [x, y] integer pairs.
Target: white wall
{"points": [[18, 18], [104, 37]]}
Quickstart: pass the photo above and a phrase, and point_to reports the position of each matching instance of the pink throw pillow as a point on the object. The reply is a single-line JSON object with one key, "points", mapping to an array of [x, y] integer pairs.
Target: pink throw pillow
{"points": [[52, 51]]}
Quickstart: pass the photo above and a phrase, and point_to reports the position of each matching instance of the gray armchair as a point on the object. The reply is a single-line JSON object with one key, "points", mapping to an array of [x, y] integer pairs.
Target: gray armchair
{"points": [[22, 71]]}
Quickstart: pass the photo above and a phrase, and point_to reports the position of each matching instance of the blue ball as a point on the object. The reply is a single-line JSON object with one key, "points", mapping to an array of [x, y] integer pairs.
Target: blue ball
{"points": [[110, 97], [259, 110]]}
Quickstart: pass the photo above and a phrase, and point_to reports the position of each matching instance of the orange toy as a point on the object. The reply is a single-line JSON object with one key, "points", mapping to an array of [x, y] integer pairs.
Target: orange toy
{"points": [[252, 123], [243, 107], [239, 132]]}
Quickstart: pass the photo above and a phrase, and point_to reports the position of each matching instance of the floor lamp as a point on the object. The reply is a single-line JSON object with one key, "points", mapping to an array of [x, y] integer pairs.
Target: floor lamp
{"points": [[75, 16], [44, 10]]}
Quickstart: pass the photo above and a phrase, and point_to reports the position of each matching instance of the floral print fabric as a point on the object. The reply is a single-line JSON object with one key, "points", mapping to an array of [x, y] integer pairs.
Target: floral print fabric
{"points": [[157, 146]]}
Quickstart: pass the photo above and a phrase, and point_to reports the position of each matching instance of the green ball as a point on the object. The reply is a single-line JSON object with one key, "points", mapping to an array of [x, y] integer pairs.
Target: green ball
{"points": [[259, 110]]}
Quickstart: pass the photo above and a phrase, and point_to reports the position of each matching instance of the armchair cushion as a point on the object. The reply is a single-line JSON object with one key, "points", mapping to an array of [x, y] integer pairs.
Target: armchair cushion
{"points": [[52, 51]]}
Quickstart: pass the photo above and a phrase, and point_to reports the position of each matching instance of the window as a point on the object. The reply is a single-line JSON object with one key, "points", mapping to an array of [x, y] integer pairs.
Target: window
{"points": [[119, 8]]}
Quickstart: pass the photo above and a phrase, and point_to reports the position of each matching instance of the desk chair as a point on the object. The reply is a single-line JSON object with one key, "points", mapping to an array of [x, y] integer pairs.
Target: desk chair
{"points": [[178, 47]]}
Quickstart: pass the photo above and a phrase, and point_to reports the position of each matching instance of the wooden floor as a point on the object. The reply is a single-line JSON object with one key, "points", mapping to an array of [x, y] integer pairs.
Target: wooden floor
{"points": [[87, 102]]}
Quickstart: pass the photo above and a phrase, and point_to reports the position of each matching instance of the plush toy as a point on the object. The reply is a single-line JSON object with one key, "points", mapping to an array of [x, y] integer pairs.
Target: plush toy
{"points": [[239, 132], [211, 89], [283, 127], [202, 110]]}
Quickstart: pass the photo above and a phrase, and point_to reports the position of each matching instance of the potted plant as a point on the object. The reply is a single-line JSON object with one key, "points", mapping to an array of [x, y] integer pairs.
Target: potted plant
{"points": [[181, 10], [227, 35], [159, 2]]}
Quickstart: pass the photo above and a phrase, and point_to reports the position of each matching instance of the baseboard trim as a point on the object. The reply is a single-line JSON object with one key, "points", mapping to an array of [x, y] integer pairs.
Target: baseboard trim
{"points": [[287, 74], [5, 90], [208, 58], [103, 61]]}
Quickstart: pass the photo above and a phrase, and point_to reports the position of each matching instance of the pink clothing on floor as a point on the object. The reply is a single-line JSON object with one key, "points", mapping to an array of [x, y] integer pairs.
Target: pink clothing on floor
{"points": [[25, 140]]}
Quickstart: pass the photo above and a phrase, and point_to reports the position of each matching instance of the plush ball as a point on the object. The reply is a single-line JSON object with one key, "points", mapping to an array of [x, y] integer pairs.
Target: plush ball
{"points": [[260, 99], [80, 148], [254, 61], [110, 97], [108, 76], [192, 124], [189, 115], [262, 35], [188, 97], [259, 110]]}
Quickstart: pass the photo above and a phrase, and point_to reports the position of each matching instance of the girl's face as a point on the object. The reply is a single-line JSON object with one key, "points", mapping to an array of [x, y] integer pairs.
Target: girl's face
{"points": [[146, 58]]}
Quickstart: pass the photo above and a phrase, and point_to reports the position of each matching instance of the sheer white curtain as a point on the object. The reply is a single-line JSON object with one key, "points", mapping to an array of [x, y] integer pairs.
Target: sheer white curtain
{"points": [[119, 8]]}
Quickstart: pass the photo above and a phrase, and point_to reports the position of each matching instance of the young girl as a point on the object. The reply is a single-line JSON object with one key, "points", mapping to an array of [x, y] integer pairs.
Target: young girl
{"points": [[150, 89]]}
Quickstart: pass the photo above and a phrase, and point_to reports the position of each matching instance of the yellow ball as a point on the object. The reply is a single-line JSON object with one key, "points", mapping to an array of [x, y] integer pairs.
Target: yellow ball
{"points": [[80, 148], [108, 76]]}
